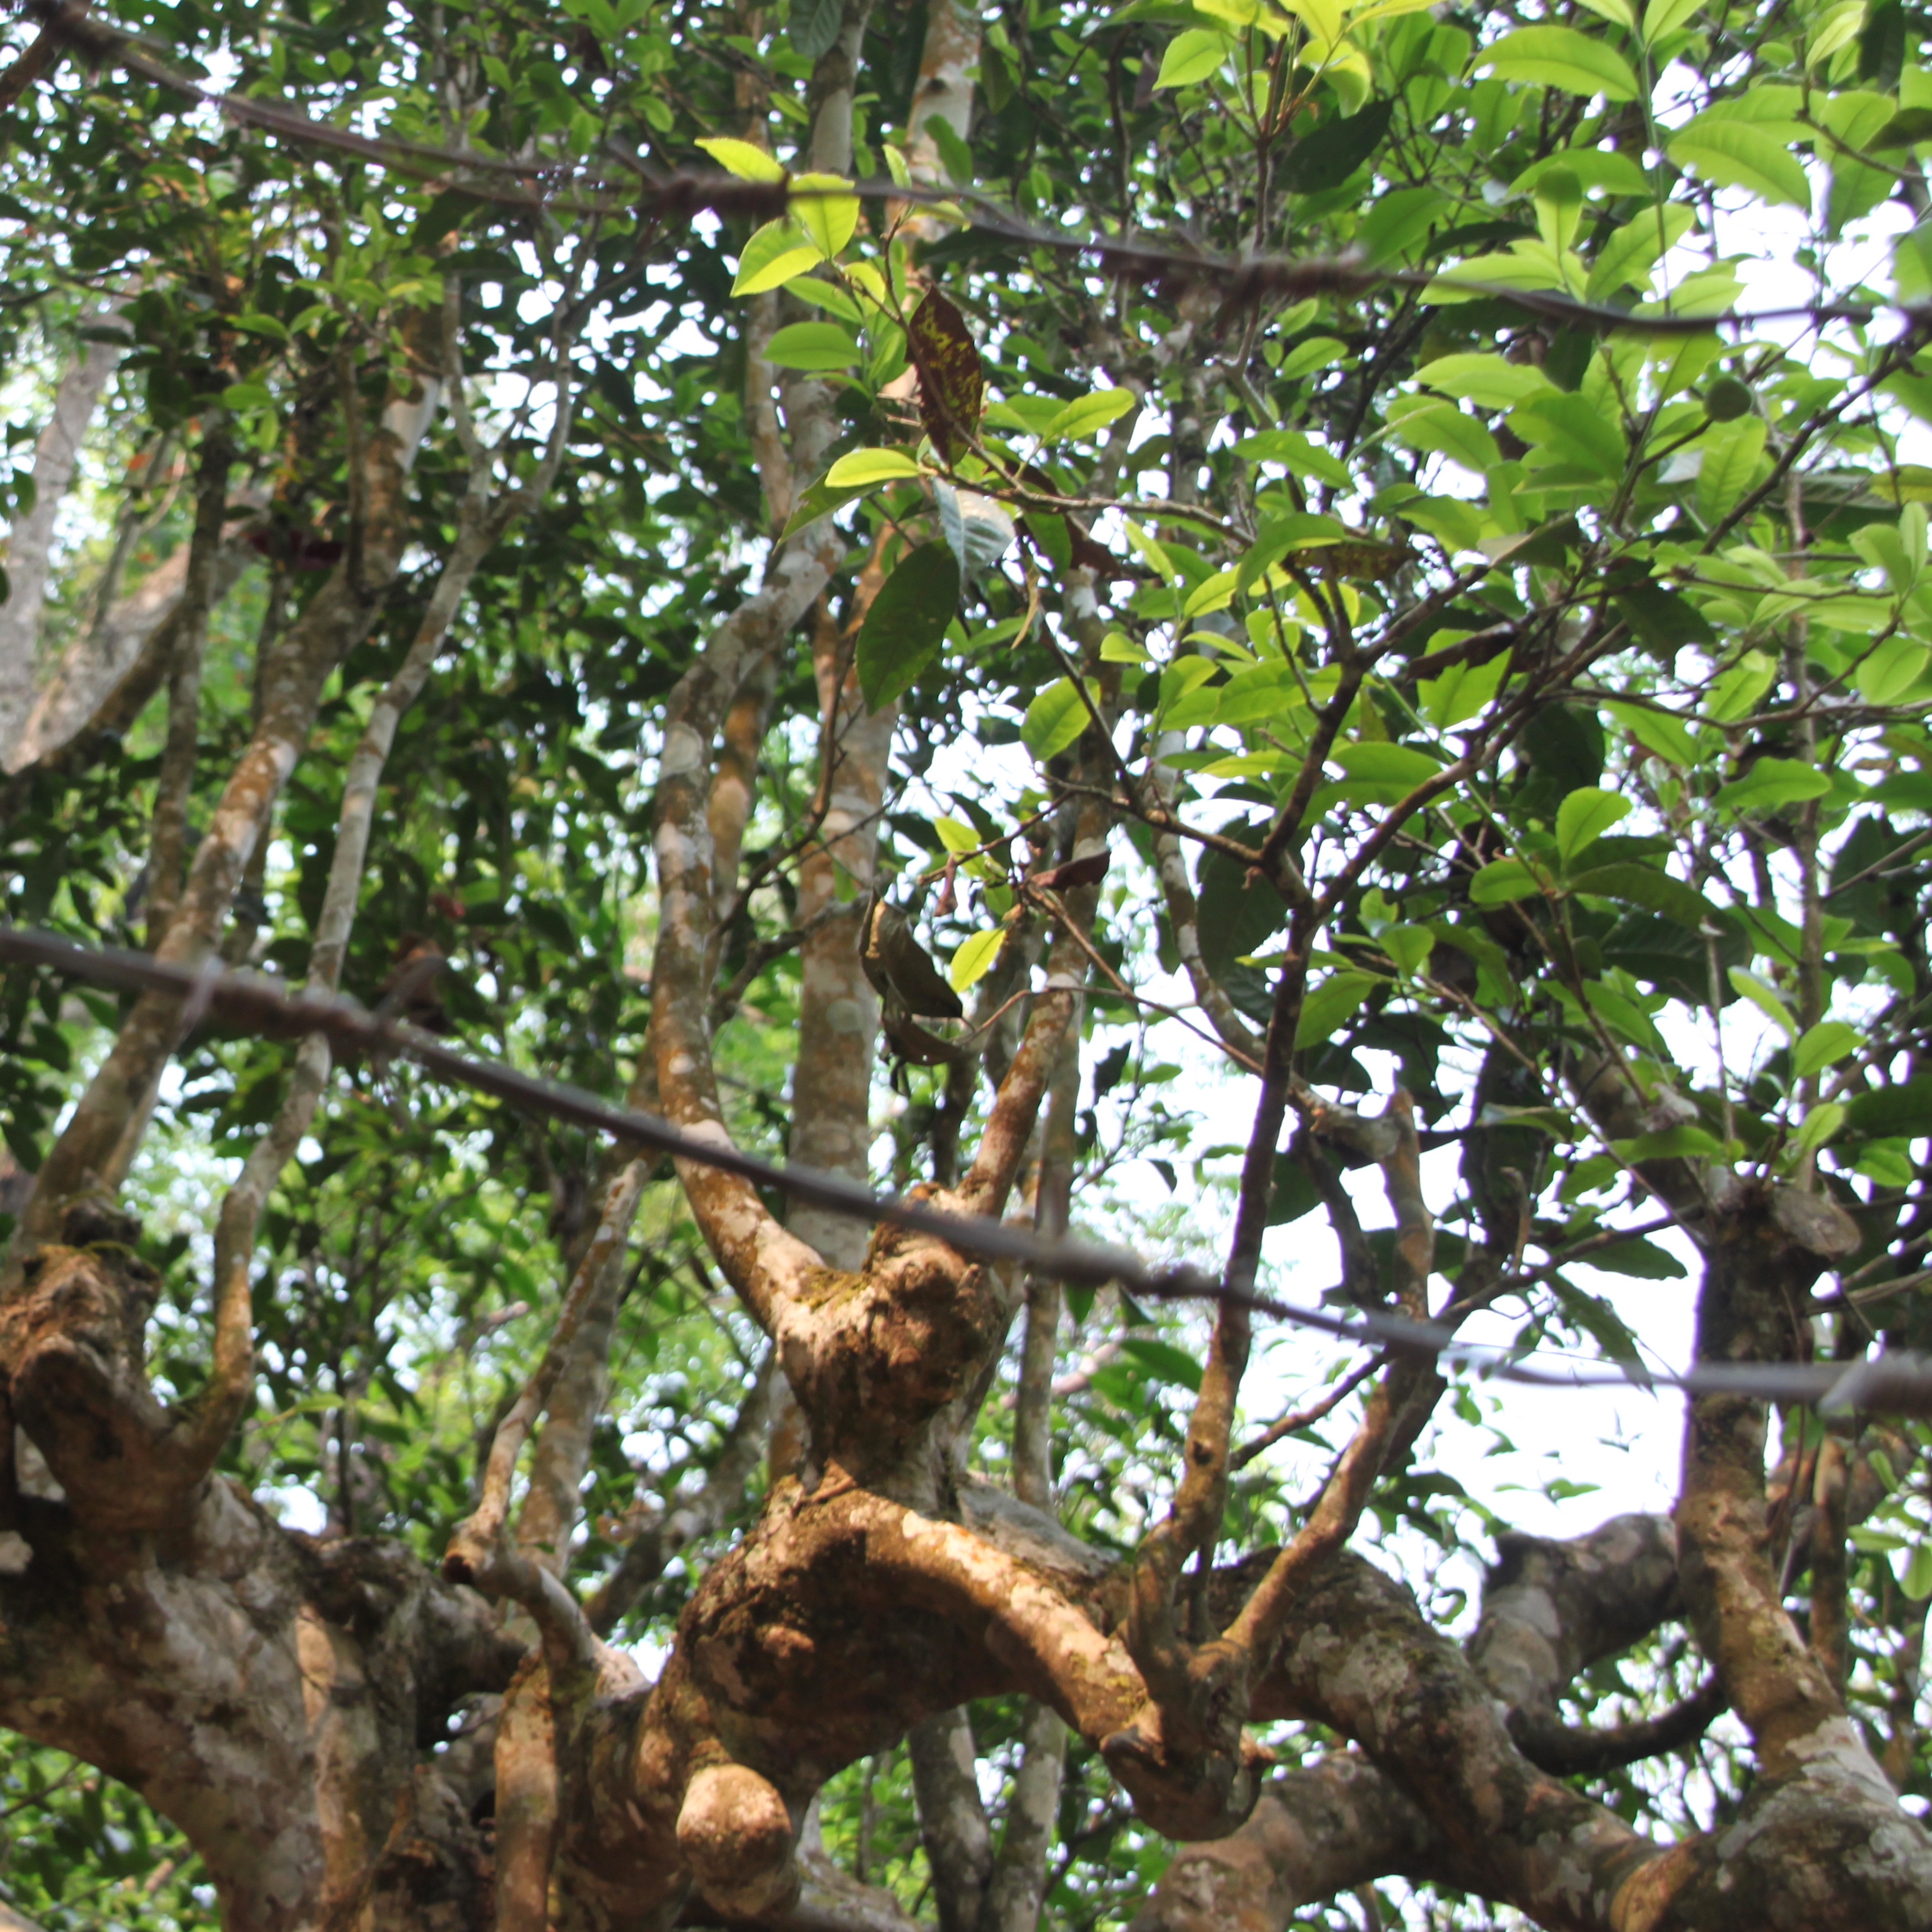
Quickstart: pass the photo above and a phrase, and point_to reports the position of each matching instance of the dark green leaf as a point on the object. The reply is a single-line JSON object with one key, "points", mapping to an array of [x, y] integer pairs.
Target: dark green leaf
{"points": [[907, 623]]}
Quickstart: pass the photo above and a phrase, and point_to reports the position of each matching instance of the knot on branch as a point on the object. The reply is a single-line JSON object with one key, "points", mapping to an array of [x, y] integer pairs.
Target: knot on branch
{"points": [[884, 1351], [736, 1835], [1192, 1775]]}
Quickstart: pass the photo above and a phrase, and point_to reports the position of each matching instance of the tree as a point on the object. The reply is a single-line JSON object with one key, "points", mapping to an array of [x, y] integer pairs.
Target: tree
{"points": [[961, 601]]}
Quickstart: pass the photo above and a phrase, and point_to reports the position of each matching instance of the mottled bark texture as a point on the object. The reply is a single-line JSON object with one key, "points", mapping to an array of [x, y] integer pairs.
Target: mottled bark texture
{"points": [[30, 542], [271, 1695]]}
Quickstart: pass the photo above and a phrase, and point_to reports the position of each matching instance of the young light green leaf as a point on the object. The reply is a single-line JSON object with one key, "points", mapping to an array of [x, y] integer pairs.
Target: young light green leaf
{"points": [[867, 467], [1054, 720], [1733, 454], [773, 255], [1462, 691], [1319, 352], [1821, 1124], [1666, 17], [1085, 414], [1891, 670], [1192, 56], [974, 958], [1763, 995], [1584, 815], [1325, 1009], [1741, 153], [1502, 881], [1560, 57], [1736, 695], [907, 621], [1488, 381], [829, 217], [1822, 1046], [741, 158]]}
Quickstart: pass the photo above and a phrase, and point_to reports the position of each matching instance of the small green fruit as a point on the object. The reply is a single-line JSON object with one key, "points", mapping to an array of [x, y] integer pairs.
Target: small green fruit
{"points": [[1728, 398]]}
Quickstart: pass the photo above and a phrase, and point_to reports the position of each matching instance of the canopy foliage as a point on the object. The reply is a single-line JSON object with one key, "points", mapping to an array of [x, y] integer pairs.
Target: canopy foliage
{"points": [[1263, 630]]}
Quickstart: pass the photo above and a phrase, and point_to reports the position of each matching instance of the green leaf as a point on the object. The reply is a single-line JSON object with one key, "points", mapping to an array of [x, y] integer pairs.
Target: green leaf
{"points": [[813, 345], [1054, 720], [1317, 351], [1664, 16], [864, 468], [1659, 619], [1684, 1143], [1396, 224], [1085, 414], [1661, 733], [1328, 156], [820, 500], [1742, 154], [1584, 815], [1502, 881], [1892, 669], [1821, 1125], [1626, 257], [1167, 1362], [814, 27], [1294, 451], [1192, 56], [974, 958], [1632, 883], [1822, 1046], [1902, 1112], [1772, 782], [1560, 57], [1402, 767], [1763, 995], [1462, 691], [741, 158], [1440, 429], [955, 151], [774, 254], [1597, 1319], [1327, 1008], [904, 629], [1905, 129], [1917, 1582], [1297, 529], [1489, 382], [1737, 692], [828, 217], [816, 293], [1731, 453], [1644, 1259], [1573, 429], [956, 836]]}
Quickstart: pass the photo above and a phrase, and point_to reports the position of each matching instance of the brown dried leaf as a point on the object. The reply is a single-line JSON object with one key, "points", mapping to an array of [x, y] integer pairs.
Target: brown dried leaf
{"points": [[952, 381]]}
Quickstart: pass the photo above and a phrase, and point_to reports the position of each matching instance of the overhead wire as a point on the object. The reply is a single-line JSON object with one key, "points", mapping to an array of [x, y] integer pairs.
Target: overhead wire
{"points": [[1898, 1383]]}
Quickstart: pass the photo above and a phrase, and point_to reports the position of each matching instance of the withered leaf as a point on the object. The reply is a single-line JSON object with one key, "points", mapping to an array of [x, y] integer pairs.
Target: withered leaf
{"points": [[1087, 871], [952, 381]]}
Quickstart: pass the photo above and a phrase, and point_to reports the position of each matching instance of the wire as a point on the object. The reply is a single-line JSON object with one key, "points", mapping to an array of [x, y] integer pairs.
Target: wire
{"points": [[1899, 1383]]}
